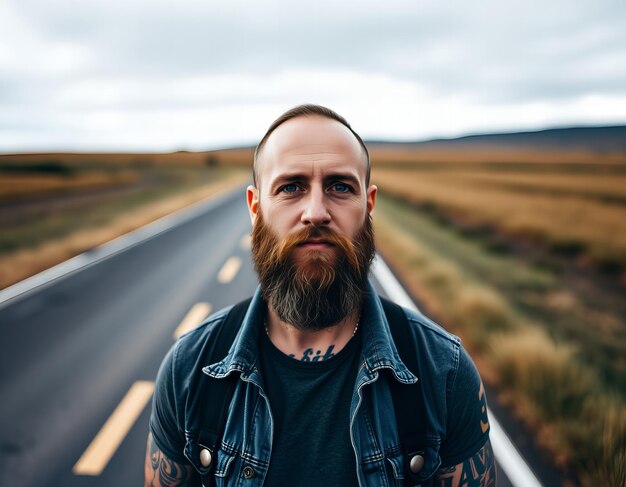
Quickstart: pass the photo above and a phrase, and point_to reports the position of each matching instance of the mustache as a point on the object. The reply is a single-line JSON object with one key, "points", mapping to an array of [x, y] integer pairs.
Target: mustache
{"points": [[322, 235], [271, 252]]}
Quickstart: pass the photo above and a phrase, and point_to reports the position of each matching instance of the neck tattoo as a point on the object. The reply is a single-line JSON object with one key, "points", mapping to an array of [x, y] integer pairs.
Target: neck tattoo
{"points": [[308, 355]]}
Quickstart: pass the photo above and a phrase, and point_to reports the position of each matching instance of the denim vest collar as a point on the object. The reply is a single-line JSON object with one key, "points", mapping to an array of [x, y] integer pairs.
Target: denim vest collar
{"points": [[379, 351]]}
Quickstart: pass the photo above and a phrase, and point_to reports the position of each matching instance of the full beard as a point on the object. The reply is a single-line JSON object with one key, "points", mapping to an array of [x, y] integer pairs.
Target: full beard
{"points": [[320, 288]]}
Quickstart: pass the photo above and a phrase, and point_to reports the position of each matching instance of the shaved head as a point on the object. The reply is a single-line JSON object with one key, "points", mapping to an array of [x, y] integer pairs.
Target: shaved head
{"points": [[316, 111]]}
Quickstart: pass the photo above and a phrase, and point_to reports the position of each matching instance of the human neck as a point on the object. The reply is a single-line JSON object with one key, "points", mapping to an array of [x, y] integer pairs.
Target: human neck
{"points": [[307, 345]]}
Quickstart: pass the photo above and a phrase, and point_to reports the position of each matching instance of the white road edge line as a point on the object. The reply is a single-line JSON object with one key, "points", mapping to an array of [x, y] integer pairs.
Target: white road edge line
{"points": [[115, 246], [509, 459]]}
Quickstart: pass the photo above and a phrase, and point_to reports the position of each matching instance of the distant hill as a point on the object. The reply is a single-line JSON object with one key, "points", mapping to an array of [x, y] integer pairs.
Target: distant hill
{"points": [[596, 139], [558, 145]]}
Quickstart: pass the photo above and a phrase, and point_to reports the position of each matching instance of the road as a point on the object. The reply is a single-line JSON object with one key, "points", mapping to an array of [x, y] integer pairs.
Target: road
{"points": [[80, 352]]}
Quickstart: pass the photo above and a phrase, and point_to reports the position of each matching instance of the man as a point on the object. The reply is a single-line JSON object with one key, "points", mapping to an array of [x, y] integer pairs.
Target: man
{"points": [[314, 358]]}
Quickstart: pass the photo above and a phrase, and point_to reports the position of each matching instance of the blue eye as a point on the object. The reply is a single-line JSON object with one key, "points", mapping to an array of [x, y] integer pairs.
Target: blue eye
{"points": [[290, 188], [341, 188]]}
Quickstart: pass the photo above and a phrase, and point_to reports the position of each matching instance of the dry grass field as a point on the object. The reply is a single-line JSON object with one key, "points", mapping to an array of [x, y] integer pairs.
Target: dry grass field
{"points": [[223, 157], [402, 154], [526, 261], [581, 212], [15, 186]]}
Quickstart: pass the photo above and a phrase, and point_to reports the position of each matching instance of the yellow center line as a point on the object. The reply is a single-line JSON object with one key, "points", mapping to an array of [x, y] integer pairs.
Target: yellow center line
{"points": [[229, 270], [193, 318], [246, 242], [108, 439]]}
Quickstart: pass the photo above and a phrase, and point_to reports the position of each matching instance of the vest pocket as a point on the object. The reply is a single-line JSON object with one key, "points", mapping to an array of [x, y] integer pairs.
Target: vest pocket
{"points": [[394, 468], [224, 463]]}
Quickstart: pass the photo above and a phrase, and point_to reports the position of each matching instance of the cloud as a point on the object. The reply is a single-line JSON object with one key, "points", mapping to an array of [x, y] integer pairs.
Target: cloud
{"points": [[405, 70]]}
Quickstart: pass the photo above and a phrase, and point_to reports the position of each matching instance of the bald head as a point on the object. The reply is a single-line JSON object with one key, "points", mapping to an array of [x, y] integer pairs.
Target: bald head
{"points": [[310, 130]]}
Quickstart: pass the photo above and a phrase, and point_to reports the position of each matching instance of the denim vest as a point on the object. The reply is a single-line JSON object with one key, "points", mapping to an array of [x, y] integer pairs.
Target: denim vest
{"points": [[244, 454]]}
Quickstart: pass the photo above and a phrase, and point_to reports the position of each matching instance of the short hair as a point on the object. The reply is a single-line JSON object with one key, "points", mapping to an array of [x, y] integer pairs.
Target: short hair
{"points": [[308, 110]]}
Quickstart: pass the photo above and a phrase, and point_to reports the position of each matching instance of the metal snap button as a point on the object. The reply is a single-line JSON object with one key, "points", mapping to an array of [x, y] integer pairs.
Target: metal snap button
{"points": [[205, 457], [417, 463], [248, 472]]}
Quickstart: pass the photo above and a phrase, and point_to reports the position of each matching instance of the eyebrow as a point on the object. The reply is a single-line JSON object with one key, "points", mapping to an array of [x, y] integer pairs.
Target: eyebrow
{"points": [[350, 178], [292, 178]]}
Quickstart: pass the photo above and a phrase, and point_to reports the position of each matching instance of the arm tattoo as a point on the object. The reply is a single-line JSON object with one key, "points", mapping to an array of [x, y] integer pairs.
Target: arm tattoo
{"points": [[160, 471], [477, 471]]}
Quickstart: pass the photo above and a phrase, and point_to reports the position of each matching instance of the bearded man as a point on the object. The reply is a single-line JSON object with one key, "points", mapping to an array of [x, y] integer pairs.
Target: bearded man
{"points": [[314, 367]]}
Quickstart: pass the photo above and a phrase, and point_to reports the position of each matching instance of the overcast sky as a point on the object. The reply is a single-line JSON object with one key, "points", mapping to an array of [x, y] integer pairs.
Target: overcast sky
{"points": [[179, 74]]}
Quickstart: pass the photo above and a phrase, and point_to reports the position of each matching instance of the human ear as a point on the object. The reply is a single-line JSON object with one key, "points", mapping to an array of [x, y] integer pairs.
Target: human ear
{"points": [[252, 198], [371, 198]]}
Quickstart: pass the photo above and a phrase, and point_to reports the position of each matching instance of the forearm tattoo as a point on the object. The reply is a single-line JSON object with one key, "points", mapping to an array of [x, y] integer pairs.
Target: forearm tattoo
{"points": [[160, 471], [476, 471]]}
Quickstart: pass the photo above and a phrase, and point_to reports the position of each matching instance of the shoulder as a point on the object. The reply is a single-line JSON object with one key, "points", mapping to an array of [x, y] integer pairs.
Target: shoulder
{"points": [[441, 343], [177, 383], [204, 330], [452, 383], [431, 330], [189, 348], [441, 348], [441, 354]]}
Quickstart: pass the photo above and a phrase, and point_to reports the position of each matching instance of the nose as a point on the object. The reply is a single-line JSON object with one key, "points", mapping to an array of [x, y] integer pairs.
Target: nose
{"points": [[315, 211]]}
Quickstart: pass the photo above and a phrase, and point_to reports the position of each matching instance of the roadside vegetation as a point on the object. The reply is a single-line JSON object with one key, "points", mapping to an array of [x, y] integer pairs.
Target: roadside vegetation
{"points": [[15, 187], [527, 266], [54, 209]]}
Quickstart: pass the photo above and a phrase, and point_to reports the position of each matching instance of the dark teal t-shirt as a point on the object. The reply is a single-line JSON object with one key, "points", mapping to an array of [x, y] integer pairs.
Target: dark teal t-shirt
{"points": [[310, 404]]}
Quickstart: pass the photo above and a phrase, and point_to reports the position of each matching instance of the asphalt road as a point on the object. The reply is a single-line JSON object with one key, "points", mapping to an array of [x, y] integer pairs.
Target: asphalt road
{"points": [[79, 355]]}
